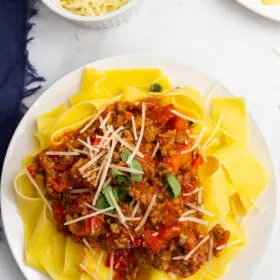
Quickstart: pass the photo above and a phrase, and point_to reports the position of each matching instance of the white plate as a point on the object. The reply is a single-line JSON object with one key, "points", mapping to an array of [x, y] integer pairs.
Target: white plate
{"points": [[267, 11], [260, 228]]}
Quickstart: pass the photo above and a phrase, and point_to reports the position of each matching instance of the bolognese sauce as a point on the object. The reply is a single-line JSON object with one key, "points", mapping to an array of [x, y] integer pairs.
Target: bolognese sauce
{"points": [[128, 183]]}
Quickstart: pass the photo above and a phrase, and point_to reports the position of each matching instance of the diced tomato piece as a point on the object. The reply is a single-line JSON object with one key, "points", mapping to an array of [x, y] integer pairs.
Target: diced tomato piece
{"points": [[163, 114], [95, 222], [137, 242], [170, 220], [172, 232], [197, 162], [60, 184], [153, 242], [178, 123], [127, 115], [179, 159], [122, 258], [58, 211], [61, 167], [33, 169], [96, 141]]}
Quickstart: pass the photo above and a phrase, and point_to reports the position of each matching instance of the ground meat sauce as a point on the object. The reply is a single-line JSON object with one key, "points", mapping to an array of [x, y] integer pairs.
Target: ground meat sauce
{"points": [[162, 237]]}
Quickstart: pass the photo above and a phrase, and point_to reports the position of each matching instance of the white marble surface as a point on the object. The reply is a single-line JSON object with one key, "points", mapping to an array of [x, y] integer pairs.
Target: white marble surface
{"points": [[217, 36]]}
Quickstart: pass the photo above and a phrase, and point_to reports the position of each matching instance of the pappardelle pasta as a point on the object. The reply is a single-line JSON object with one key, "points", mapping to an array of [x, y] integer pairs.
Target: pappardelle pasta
{"points": [[135, 181]]}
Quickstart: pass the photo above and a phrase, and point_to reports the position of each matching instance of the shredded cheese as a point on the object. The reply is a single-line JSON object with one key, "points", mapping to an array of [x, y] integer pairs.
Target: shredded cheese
{"points": [[134, 128], [126, 169], [216, 129], [60, 153], [105, 171], [186, 117], [127, 145], [140, 136], [193, 192], [197, 142], [90, 150], [199, 198], [189, 212], [194, 220], [89, 247], [209, 258], [210, 93], [228, 134], [155, 150], [81, 152], [85, 190], [149, 209], [104, 122], [134, 212], [99, 262], [200, 209], [100, 171], [88, 173], [87, 145], [118, 208], [100, 113], [91, 162], [89, 216], [112, 265], [219, 248], [189, 255], [89, 272], [38, 189]]}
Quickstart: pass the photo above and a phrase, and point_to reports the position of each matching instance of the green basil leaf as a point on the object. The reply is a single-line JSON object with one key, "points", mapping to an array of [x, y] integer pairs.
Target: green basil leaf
{"points": [[121, 193], [156, 87], [133, 164], [102, 203], [172, 185], [121, 177], [106, 193]]}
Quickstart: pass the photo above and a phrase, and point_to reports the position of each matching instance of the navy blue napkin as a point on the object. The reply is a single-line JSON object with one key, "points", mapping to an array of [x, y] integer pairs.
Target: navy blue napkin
{"points": [[16, 73]]}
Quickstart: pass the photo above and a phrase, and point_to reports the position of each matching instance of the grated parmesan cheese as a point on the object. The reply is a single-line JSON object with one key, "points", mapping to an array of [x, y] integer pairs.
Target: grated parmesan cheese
{"points": [[136, 208], [216, 129], [149, 209], [189, 255], [219, 248], [155, 150], [89, 216], [120, 213], [197, 142], [85, 190], [134, 128], [91, 162], [105, 171], [193, 192], [126, 169], [186, 117], [140, 136], [89, 272], [112, 265], [99, 262], [89, 247], [100, 113], [194, 220], [38, 189], [200, 209], [60, 153]]}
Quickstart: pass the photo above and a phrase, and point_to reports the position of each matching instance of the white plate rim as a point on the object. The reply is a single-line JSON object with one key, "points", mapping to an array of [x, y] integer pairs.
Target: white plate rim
{"points": [[158, 61], [271, 12]]}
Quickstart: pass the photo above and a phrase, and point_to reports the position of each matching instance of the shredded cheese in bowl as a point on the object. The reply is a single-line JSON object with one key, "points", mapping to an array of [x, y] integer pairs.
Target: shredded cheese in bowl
{"points": [[92, 7]]}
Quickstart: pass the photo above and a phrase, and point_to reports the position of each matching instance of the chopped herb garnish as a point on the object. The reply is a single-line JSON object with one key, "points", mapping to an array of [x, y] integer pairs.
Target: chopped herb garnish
{"points": [[106, 193], [133, 164], [172, 185], [121, 177], [102, 203], [121, 193], [155, 87]]}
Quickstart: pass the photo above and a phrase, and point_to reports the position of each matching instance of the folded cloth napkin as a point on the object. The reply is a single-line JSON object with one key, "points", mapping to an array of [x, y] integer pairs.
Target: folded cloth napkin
{"points": [[16, 73]]}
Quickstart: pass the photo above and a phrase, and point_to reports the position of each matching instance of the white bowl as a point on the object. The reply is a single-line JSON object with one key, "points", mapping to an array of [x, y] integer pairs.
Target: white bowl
{"points": [[97, 22], [260, 228]]}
